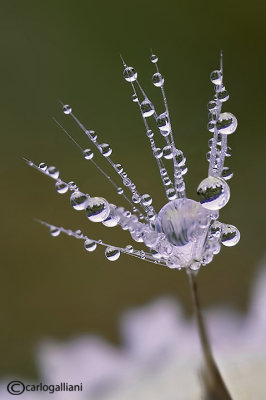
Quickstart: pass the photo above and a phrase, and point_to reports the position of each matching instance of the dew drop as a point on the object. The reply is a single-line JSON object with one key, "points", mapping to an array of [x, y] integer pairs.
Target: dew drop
{"points": [[130, 74], [67, 109], [129, 249], [61, 187], [147, 108], [214, 193], [126, 181], [88, 154], [135, 198], [157, 79], [134, 98], [72, 186], [227, 123], [53, 172], [146, 200], [119, 168], [230, 235], [43, 166], [211, 126], [227, 173], [149, 133], [171, 194], [97, 209], [228, 152], [120, 190], [79, 200], [211, 105], [92, 135], [105, 149], [216, 77], [163, 124], [90, 245], [167, 152], [112, 253], [223, 95], [54, 231], [154, 58], [157, 152]]}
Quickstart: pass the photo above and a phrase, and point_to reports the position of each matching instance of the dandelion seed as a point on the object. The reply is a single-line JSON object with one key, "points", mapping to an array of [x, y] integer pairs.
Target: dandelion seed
{"points": [[185, 233]]}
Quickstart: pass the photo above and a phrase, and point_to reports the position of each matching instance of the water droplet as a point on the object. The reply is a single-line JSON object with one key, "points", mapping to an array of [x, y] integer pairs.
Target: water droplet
{"points": [[215, 229], [171, 194], [154, 58], [163, 172], [135, 198], [135, 98], [92, 135], [214, 193], [184, 169], [88, 154], [228, 152], [126, 181], [43, 166], [72, 186], [157, 152], [157, 79], [54, 231], [180, 158], [227, 123], [167, 181], [118, 168], [53, 172], [147, 108], [230, 235], [90, 245], [146, 200], [105, 149], [227, 173], [97, 209], [216, 77], [120, 190], [61, 187], [149, 133], [129, 249], [211, 126], [167, 152], [67, 109], [78, 234], [112, 253], [130, 74], [163, 124], [213, 115], [113, 218], [223, 95], [211, 105], [79, 200]]}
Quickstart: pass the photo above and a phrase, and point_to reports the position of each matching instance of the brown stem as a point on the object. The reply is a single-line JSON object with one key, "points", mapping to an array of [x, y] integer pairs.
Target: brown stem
{"points": [[213, 383]]}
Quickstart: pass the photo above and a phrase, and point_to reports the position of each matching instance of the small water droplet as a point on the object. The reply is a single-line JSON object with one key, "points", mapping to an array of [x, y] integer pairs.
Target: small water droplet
{"points": [[43, 166], [129, 249], [88, 154], [157, 152], [90, 245], [79, 200], [135, 98], [154, 58], [214, 193], [146, 200], [54, 231], [136, 198], [149, 133], [147, 108], [72, 186], [227, 123], [67, 109], [120, 190], [92, 135], [126, 181], [53, 172], [157, 79], [230, 235], [211, 126], [61, 187], [227, 173], [112, 253], [167, 152], [171, 194], [130, 74], [223, 95], [211, 105], [216, 77], [180, 158], [105, 149], [163, 124], [228, 152], [163, 172], [97, 209]]}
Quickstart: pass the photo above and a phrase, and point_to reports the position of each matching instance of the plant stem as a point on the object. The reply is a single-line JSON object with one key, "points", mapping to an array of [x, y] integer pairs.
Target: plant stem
{"points": [[213, 383]]}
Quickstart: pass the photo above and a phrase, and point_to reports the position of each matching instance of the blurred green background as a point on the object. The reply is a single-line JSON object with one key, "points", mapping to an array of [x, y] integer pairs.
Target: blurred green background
{"points": [[70, 50]]}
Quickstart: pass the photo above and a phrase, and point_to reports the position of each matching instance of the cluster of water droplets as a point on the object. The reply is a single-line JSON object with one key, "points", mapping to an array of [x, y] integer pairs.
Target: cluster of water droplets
{"points": [[184, 233]]}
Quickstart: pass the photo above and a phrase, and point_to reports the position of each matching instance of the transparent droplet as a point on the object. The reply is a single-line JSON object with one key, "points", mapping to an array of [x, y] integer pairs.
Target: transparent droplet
{"points": [[67, 109], [163, 172], [126, 181], [78, 234], [158, 153], [215, 229], [163, 124], [228, 152], [130, 74], [113, 218], [112, 253], [61, 187], [184, 169], [149, 133], [92, 135], [211, 126], [72, 186], [227, 123], [167, 181], [227, 173], [97, 209], [135, 98], [54, 231], [135, 198], [146, 200], [214, 193], [213, 115], [129, 249], [79, 200], [167, 152], [105, 149], [157, 79], [230, 235], [171, 194], [154, 58], [211, 105], [88, 154], [147, 108], [119, 168], [43, 166], [216, 77], [90, 245], [180, 158], [53, 172], [120, 190], [223, 95]]}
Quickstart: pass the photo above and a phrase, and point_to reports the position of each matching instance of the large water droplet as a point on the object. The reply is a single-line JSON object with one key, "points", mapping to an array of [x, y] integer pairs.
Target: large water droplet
{"points": [[227, 123], [90, 245], [163, 124], [97, 209], [216, 77], [147, 108], [167, 152], [214, 193], [112, 253], [79, 200], [157, 79], [53, 172], [105, 149], [230, 235], [130, 74], [113, 218]]}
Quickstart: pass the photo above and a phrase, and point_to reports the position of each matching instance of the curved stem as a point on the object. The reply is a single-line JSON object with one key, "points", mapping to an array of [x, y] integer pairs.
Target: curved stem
{"points": [[213, 383]]}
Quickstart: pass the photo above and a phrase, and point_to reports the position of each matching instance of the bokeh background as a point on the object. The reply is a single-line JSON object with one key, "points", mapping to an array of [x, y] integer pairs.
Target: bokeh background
{"points": [[51, 288]]}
